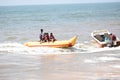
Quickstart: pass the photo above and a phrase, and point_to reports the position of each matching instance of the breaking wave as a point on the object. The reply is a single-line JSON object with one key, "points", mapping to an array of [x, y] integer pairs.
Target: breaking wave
{"points": [[78, 48]]}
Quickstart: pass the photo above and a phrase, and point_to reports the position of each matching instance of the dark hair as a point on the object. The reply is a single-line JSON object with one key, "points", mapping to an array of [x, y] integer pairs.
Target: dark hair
{"points": [[41, 30]]}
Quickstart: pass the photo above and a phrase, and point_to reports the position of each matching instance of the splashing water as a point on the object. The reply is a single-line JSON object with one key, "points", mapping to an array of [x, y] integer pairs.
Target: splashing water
{"points": [[78, 48]]}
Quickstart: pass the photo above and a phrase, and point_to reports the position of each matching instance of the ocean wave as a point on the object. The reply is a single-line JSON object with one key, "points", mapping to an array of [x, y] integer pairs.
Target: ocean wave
{"points": [[101, 59], [78, 48], [21, 49], [116, 66], [90, 48]]}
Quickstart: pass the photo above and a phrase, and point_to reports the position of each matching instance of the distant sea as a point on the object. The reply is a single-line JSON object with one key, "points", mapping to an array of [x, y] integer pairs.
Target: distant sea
{"points": [[20, 24]]}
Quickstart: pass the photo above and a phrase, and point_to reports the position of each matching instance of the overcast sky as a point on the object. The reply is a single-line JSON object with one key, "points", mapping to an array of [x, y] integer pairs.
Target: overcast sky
{"points": [[30, 2]]}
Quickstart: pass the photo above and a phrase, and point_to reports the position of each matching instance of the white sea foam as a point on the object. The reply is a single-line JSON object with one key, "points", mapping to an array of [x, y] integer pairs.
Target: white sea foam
{"points": [[116, 66], [90, 61], [91, 49], [100, 59], [20, 48], [107, 58], [78, 48]]}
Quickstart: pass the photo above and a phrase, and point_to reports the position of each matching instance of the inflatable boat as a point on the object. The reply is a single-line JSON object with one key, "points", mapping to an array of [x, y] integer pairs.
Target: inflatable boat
{"points": [[55, 44]]}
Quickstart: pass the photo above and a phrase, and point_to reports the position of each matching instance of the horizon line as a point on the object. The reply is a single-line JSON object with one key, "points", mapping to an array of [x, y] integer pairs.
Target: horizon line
{"points": [[57, 3]]}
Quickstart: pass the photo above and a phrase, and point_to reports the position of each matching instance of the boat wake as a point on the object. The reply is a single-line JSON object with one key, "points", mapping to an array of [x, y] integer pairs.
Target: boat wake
{"points": [[90, 48], [78, 48]]}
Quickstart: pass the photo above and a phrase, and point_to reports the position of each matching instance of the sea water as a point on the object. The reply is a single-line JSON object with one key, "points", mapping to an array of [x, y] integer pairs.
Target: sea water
{"points": [[20, 24]]}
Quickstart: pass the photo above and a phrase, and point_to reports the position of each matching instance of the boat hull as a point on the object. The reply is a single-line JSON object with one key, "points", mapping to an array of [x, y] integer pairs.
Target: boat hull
{"points": [[55, 44], [97, 44]]}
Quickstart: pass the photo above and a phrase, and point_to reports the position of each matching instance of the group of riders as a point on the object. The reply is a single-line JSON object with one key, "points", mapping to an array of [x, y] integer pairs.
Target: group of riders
{"points": [[45, 37]]}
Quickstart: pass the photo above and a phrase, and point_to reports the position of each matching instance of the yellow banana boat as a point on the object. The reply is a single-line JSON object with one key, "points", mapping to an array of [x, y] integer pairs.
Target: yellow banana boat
{"points": [[55, 44]]}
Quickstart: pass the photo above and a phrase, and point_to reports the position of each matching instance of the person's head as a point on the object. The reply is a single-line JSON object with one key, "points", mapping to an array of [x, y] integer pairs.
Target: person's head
{"points": [[110, 33], [41, 30], [51, 34]]}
